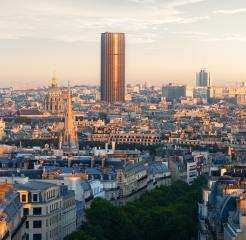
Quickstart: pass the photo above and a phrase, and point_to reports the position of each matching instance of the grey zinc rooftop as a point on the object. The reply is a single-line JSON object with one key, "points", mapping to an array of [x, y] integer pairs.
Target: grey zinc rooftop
{"points": [[34, 185], [11, 206], [137, 167]]}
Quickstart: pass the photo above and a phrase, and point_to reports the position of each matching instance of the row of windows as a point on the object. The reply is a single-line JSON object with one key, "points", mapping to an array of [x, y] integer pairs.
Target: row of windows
{"points": [[38, 210], [55, 219], [68, 203], [36, 236], [36, 224], [24, 197], [55, 206], [136, 136], [35, 211], [51, 194], [54, 107], [136, 140], [54, 232]]}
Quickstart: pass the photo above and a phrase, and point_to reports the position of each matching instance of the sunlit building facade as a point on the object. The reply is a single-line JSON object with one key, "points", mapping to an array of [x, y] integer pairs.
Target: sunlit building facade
{"points": [[54, 102], [113, 67], [49, 209], [70, 138], [173, 91]]}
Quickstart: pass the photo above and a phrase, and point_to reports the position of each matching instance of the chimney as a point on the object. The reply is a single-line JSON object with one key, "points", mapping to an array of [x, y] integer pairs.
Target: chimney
{"points": [[222, 171], [113, 146], [92, 161], [106, 147], [103, 162]]}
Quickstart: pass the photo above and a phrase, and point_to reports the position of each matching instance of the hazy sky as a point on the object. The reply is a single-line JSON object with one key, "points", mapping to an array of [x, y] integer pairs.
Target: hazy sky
{"points": [[167, 40]]}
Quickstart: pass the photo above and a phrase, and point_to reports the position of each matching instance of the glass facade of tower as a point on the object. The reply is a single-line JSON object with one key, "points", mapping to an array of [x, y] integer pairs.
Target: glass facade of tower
{"points": [[202, 79], [113, 67]]}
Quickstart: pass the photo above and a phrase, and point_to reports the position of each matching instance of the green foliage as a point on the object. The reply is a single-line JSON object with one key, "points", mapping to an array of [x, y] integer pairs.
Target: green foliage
{"points": [[164, 213], [78, 235], [23, 120]]}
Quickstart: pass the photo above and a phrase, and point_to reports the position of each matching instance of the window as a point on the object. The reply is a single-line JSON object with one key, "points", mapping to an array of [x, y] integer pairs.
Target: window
{"points": [[27, 224], [37, 236], [35, 197], [25, 211], [37, 211], [23, 198], [37, 224]]}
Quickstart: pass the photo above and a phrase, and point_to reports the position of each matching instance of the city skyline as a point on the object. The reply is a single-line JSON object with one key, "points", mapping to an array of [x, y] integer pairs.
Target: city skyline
{"points": [[168, 41]]}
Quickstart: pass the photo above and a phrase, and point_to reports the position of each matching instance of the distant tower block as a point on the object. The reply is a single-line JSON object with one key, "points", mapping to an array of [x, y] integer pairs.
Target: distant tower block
{"points": [[203, 78], [70, 138], [113, 67]]}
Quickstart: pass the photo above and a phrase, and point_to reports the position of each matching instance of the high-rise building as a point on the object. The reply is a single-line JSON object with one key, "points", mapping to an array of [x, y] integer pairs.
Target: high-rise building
{"points": [[70, 139], [203, 79], [173, 91], [113, 67], [201, 93]]}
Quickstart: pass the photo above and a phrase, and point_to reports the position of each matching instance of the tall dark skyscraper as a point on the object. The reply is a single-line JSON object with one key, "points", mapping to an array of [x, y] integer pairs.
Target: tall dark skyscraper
{"points": [[203, 79], [113, 67]]}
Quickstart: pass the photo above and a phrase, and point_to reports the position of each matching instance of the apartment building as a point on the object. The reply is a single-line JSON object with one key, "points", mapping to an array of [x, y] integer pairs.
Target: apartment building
{"points": [[50, 210], [136, 138], [222, 210], [132, 178]]}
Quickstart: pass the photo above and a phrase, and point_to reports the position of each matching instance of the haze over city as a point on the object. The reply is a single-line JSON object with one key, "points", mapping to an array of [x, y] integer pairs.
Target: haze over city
{"points": [[166, 40], [122, 119]]}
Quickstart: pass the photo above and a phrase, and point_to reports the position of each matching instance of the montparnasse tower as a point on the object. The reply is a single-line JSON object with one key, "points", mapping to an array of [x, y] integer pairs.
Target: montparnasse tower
{"points": [[113, 67], [70, 139]]}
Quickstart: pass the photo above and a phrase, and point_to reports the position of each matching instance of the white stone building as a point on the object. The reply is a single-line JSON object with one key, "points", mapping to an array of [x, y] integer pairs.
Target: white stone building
{"points": [[50, 210]]}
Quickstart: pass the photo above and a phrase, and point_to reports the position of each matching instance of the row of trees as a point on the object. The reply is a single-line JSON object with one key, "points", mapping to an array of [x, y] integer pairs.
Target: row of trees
{"points": [[164, 213]]}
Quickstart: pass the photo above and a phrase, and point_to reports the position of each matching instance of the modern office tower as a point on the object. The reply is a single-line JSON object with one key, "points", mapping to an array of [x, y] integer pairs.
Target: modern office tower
{"points": [[203, 79], [174, 91], [113, 67]]}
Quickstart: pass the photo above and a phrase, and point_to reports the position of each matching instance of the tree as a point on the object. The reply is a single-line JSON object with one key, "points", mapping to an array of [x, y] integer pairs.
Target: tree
{"points": [[164, 213], [23, 120]]}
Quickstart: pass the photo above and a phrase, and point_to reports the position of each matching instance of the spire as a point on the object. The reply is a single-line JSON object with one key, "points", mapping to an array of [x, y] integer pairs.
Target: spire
{"points": [[229, 151], [70, 139], [69, 92], [69, 112]]}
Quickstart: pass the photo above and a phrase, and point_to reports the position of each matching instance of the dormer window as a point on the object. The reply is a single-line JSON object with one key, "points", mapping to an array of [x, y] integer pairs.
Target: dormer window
{"points": [[24, 197], [35, 197]]}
